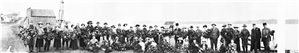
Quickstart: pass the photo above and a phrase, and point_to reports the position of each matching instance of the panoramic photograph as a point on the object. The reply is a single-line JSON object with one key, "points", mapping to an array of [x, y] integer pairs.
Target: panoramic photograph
{"points": [[79, 26]]}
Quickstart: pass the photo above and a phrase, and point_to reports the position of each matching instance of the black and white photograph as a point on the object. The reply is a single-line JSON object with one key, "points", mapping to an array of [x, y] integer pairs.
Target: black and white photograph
{"points": [[100, 26]]}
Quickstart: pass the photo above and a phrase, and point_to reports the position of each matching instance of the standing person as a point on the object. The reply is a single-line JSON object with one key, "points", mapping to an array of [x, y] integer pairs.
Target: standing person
{"points": [[32, 32], [40, 40], [144, 32], [125, 34], [83, 36], [192, 35], [229, 34], [255, 38], [66, 37], [244, 36], [99, 28], [105, 31], [74, 37], [236, 37], [177, 32], [206, 35], [214, 36], [266, 37], [138, 31], [57, 40], [199, 35], [48, 34], [156, 34], [224, 35]]}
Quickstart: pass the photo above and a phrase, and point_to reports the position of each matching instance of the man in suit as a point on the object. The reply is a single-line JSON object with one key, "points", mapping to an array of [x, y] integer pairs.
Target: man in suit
{"points": [[244, 36], [266, 37], [236, 37], [229, 34], [214, 36], [255, 38]]}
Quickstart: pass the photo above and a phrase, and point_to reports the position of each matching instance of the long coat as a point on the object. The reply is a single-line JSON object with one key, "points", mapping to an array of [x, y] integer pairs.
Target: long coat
{"points": [[255, 36]]}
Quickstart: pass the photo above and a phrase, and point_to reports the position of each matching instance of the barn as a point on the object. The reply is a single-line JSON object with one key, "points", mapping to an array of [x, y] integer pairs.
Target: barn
{"points": [[40, 15]]}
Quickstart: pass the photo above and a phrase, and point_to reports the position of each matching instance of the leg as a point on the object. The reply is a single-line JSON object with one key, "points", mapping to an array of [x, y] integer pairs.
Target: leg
{"points": [[212, 43]]}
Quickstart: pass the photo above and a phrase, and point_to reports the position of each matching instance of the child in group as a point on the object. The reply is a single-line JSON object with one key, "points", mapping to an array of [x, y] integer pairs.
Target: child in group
{"points": [[232, 47]]}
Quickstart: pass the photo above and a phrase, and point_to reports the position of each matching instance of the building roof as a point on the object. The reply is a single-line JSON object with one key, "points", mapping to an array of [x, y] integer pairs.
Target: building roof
{"points": [[42, 12]]}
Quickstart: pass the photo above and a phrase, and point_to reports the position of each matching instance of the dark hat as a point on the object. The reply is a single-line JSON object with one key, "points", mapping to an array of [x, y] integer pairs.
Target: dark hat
{"points": [[253, 24], [264, 24], [150, 26], [48, 23], [131, 27], [113, 26], [191, 26], [82, 24], [105, 23], [144, 25], [125, 24], [213, 24], [244, 25], [137, 25], [89, 22], [236, 27], [223, 25], [229, 24], [156, 26], [176, 24], [98, 22], [205, 26], [162, 27], [72, 25], [119, 24]]}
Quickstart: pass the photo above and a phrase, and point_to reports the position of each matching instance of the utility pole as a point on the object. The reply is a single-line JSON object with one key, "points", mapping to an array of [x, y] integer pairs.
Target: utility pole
{"points": [[61, 11]]}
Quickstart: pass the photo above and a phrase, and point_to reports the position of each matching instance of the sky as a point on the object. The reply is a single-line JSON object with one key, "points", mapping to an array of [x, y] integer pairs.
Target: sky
{"points": [[134, 12]]}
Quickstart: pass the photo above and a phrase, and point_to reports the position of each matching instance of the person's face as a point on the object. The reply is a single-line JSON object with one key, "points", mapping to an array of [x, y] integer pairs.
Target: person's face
{"points": [[253, 25], [213, 26], [264, 25]]}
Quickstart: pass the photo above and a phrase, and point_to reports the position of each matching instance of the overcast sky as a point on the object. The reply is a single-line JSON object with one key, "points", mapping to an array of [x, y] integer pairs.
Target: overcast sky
{"points": [[128, 12]]}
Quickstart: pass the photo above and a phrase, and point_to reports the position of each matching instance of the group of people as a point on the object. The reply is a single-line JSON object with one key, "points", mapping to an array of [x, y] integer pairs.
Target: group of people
{"points": [[148, 39]]}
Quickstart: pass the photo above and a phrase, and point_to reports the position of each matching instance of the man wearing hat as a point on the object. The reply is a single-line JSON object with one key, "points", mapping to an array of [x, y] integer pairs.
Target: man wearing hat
{"points": [[98, 28], [177, 32], [105, 31], [156, 34], [266, 37], [89, 29], [244, 36], [229, 34], [138, 31], [199, 33], [144, 32], [214, 36], [224, 34], [255, 38], [236, 37]]}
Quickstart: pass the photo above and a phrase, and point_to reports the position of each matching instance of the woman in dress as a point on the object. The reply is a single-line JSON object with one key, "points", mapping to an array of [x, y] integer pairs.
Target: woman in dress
{"points": [[74, 39]]}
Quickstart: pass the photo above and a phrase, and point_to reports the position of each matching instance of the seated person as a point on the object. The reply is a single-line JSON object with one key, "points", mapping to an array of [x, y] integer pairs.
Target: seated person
{"points": [[232, 47], [93, 43], [222, 47], [203, 46]]}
